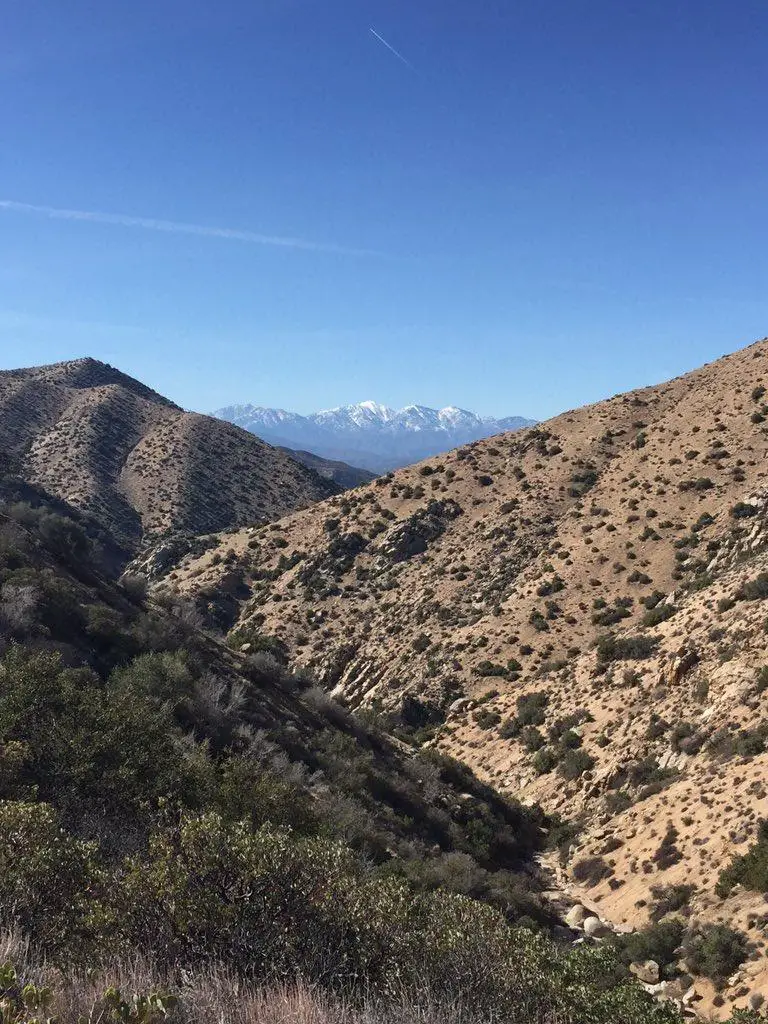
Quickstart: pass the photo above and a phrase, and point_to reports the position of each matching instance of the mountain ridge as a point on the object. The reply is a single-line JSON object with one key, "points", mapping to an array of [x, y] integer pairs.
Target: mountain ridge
{"points": [[138, 463], [369, 434]]}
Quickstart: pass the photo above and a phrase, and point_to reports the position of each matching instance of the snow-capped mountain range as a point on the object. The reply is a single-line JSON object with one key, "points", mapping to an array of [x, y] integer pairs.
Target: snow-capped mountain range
{"points": [[371, 435]]}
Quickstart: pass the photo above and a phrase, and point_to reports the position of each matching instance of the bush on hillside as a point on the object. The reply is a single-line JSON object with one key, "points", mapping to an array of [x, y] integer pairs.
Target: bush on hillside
{"points": [[715, 951], [750, 869]]}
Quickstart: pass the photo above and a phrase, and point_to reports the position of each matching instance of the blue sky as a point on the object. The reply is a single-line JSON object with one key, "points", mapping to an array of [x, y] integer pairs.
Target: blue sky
{"points": [[554, 202]]}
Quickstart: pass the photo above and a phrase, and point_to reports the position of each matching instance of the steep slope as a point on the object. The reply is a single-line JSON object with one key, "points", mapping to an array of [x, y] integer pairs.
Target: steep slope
{"points": [[605, 567], [370, 434], [138, 463], [170, 801], [510, 541]]}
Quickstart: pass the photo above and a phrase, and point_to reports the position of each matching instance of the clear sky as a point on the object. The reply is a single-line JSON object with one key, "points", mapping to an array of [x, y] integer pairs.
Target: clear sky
{"points": [[542, 204]]}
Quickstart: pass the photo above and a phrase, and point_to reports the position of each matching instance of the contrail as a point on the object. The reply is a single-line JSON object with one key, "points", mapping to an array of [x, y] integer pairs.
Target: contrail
{"points": [[392, 49], [177, 228]]}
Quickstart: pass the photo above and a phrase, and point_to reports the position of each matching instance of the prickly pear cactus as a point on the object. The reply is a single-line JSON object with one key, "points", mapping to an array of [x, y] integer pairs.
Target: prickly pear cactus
{"points": [[22, 1004], [140, 1009]]}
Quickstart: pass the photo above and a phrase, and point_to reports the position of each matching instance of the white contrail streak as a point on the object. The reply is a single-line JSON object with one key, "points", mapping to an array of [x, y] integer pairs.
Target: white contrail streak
{"points": [[392, 49], [177, 228]]}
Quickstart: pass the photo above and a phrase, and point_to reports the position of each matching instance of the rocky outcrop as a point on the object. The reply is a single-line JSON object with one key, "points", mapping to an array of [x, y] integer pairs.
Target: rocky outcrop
{"points": [[413, 536]]}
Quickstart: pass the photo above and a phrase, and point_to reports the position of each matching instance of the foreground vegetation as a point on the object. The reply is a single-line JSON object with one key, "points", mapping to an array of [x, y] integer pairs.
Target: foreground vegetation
{"points": [[168, 806]]}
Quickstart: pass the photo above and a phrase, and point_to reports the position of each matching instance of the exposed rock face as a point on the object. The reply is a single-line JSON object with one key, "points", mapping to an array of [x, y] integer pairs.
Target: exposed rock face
{"points": [[414, 535], [682, 663], [160, 558]]}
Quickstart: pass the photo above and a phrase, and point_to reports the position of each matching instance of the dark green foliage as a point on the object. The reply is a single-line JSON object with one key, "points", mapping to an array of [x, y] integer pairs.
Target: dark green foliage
{"points": [[715, 951], [660, 613], [531, 738], [731, 741], [591, 870], [749, 869], [574, 763], [609, 616], [613, 648], [667, 853], [552, 586], [489, 668], [583, 481], [667, 899], [509, 729], [531, 707], [282, 907], [545, 760], [702, 483], [658, 942], [486, 719], [743, 510]]}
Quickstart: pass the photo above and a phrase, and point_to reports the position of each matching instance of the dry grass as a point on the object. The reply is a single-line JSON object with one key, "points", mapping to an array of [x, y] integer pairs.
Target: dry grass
{"points": [[216, 995]]}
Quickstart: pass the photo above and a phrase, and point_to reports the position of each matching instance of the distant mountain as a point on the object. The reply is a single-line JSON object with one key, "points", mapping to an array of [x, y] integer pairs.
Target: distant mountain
{"points": [[339, 472], [371, 435]]}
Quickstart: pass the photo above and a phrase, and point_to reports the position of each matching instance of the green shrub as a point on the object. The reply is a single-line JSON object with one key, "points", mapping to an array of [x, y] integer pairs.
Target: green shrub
{"points": [[753, 590], [667, 899], [545, 760], [715, 951], [591, 870], [50, 880], [532, 738], [743, 510], [531, 707], [659, 614], [658, 942], [486, 719], [750, 869], [667, 853], [628, 648], [574, 763]]}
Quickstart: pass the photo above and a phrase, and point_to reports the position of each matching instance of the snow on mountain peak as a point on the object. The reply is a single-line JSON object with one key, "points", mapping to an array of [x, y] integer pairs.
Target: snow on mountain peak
{"points": [[370, 434], [382, 411]]}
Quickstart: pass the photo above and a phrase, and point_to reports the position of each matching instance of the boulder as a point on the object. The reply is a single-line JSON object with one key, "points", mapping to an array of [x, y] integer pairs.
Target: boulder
{"points": [[576, 916], [594, 928], [413, 536], [646, 971], [682, 664], [677, 988], [459, 705]]}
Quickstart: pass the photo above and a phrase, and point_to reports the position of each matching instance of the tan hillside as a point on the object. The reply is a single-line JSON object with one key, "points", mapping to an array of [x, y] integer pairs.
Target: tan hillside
{"points": [[496, 568], [139, 464]]}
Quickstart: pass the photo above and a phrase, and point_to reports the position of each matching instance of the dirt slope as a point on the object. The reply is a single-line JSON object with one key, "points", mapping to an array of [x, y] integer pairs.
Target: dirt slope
{"points": [[491, 573], [113, 448], [506, 544]]}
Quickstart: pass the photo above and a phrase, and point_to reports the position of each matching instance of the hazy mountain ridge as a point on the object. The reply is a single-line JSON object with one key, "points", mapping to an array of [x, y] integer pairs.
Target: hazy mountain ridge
{"points": [[368, 434]]}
